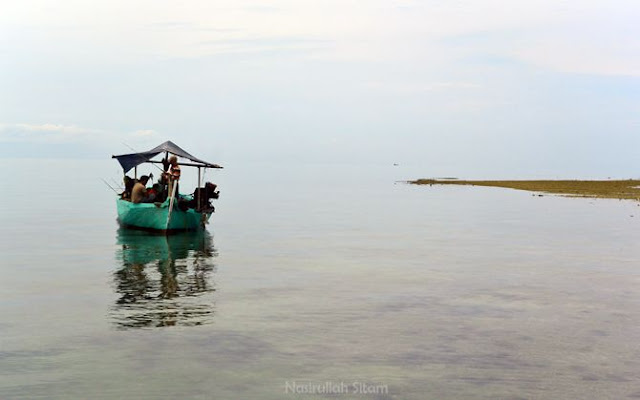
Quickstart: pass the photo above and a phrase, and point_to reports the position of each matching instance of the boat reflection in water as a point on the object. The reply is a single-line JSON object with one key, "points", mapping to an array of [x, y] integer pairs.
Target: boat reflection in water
{"points": [[164, 280]]}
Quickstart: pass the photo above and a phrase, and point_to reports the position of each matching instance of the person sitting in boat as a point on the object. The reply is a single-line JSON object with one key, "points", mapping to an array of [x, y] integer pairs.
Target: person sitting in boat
{"points": [[160, 190], [128, 187], [139, 193]]}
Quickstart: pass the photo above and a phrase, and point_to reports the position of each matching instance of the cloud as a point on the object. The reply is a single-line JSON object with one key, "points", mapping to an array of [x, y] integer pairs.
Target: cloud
{"points": [[145, 133], [44, 133], [566, 35], [51, 133], [263, 44], [573, 37], [415, 88], [596, 51]]}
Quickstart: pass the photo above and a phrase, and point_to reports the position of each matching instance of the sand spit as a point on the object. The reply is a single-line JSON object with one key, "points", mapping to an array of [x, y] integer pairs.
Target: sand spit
{"points": [[608, 189]]}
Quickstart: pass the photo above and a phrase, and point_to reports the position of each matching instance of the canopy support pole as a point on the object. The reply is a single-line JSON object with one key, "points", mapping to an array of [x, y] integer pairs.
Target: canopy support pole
{"points": [[198, 189], [135, 172]]}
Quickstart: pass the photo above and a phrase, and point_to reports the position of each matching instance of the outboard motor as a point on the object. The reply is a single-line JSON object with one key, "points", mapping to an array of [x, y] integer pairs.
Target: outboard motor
{"points": [[206, 193]]}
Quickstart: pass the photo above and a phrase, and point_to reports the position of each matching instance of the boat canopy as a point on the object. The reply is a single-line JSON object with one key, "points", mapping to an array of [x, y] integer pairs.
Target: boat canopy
{"points": [[128, 161]]}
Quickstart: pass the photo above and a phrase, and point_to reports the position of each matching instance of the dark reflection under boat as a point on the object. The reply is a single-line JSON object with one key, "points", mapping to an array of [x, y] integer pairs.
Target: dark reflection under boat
{"points": [[163, 280]]}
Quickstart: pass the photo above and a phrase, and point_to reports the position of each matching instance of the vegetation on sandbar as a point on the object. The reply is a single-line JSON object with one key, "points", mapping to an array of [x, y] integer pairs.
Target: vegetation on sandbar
{"points": [[609, 189]]}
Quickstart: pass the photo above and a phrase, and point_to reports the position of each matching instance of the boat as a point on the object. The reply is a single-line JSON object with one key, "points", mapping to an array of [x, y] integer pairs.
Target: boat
{"points": [[178, 212]]}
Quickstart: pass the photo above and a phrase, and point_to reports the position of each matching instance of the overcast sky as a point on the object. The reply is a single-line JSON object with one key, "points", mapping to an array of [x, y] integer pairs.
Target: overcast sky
{"points": [[458, 85]]}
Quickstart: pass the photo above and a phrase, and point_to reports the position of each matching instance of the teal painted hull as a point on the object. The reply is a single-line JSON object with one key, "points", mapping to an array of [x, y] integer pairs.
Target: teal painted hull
{"points": [[149, 216], [138, 247]]}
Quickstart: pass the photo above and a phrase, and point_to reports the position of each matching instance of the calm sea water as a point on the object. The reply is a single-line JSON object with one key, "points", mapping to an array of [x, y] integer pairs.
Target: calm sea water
{"points": [[333, 279]]}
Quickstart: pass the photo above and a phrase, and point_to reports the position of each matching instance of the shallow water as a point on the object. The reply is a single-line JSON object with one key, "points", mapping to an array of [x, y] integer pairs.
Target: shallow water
{"points": [[315, 278]]}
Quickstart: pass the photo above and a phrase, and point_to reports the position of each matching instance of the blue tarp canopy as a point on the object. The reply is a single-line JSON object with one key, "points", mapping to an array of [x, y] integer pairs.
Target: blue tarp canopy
{"points": [[129, 161]]}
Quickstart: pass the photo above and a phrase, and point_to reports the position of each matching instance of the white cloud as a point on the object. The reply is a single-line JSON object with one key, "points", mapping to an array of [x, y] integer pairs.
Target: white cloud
{"points": [[588, 46], [415, 88], [45, 133], [68, 134], [145, 133]]}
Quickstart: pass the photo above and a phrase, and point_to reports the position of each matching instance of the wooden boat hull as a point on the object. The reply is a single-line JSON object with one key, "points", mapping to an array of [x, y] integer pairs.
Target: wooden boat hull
{"points": [[138, 247], [154, 217]]}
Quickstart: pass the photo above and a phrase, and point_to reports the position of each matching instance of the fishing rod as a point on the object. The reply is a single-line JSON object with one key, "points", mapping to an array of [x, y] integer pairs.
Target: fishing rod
{"points": [[116, 184], [109, 186], [132, 149]]}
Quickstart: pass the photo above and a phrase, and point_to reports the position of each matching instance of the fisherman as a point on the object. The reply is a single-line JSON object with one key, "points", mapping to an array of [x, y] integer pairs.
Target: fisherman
{"points": [[139, 192], [173, 174], [128, 187]]}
